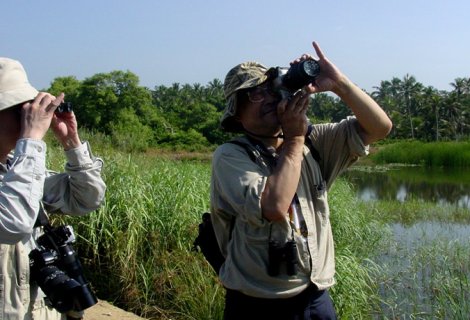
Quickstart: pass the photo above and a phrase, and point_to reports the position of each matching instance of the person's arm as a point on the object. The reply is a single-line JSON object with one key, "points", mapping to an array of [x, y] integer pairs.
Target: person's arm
{"points": [[81, 188], [281, 185], [21, 190], [65, 128], [374, 122], [22, 185]]}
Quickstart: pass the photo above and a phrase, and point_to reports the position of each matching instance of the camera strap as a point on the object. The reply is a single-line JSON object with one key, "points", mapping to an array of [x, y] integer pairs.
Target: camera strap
{"points": [[42, 219], [260, 149]]}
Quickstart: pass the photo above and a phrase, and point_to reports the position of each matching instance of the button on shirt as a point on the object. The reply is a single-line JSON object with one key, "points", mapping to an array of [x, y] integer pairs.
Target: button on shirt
{"points": [[236, 187]]}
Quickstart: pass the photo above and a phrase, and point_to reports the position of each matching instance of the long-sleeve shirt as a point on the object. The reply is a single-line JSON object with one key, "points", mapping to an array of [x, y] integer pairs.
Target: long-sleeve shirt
{"points": [[25, 187]]}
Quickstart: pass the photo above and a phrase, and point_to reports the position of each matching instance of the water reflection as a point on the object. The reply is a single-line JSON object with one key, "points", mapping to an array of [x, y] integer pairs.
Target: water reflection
{"points": [[427, 232], [438, 185], [426, 254]]}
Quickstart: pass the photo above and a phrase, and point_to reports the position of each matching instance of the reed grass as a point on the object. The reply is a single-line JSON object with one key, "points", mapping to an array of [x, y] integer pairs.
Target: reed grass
{"points": [[432, 154], [358, 234], [136, 249], [421, 274], [415, 210], [434, 283]]}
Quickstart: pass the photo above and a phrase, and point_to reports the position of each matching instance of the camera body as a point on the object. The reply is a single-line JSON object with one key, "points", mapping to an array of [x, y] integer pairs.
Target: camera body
{"points": [[56, 269], [286, 81], [282, 253], [64, 107]]}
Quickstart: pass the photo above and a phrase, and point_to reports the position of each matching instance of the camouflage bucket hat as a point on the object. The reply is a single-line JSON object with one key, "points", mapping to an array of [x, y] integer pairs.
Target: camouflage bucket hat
{"points": [[243, 76]]}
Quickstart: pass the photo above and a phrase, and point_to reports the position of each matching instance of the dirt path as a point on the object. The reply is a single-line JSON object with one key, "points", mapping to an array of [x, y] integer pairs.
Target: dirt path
{"points": [[105, 311]]}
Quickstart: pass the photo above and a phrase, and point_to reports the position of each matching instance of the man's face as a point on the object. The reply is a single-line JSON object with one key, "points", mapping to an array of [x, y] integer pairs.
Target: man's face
{"points": [[10, 126], [258, 114]]}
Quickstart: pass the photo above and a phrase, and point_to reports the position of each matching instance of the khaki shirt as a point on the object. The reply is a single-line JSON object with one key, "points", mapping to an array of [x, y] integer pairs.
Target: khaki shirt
{"points": [[24, 182], [236, 187]]}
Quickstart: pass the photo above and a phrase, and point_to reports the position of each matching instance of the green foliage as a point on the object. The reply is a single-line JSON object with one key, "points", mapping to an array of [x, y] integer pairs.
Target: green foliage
{"points": [[326, 107], [191, 140], [424, 113], [358, 236], [141, 239], [128, 133], [70, 85], [417, 112], [433, 154], [103, 96]]}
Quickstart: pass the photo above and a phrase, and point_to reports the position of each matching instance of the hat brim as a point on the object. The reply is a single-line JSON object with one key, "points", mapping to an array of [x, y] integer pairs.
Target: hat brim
{"points": [[19, 95]]}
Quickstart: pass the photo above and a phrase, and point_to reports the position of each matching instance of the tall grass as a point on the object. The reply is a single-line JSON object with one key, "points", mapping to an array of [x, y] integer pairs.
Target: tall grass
{"points": [[358, 235], [136, 248], [426, 281], [433, 154]]}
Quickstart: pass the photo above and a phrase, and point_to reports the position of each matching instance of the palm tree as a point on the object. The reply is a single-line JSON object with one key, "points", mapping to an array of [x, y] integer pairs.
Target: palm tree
{"points": [[461, 86], [410, 89]]}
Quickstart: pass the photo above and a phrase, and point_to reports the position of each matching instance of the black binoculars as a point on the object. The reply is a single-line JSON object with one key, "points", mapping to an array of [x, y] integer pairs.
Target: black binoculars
{"points": [[64, 107], [282, 253]]}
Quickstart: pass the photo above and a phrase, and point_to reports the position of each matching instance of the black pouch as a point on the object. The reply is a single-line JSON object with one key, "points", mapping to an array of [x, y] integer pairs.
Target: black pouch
{"points": [[206, 242]]}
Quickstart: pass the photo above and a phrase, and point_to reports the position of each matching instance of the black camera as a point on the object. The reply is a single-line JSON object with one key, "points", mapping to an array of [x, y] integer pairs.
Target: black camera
{"points": [[64, 107], [56, 269], [278, 254], [288, 80]]}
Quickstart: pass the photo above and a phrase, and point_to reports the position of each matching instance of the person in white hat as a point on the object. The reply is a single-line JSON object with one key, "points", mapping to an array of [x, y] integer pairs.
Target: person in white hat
{"points": [[28, 189]]}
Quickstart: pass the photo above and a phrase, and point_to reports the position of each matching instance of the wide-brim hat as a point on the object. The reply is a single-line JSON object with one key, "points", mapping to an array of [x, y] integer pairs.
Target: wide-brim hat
{"points": [[14, 85], [243, 76]]}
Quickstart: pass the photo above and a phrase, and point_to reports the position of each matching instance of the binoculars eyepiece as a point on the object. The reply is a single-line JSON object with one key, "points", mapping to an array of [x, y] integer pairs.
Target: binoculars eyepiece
{"points": [[64, 107]]}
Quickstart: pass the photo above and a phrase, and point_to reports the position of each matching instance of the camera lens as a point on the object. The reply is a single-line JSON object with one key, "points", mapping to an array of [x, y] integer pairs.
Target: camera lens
{"points": [[58, 272], [300, 74], [311, 68], [57, 286]]}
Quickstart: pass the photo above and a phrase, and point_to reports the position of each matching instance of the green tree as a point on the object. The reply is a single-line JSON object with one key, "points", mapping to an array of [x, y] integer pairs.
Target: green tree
{"points": [[103, 95], [128, 133], [410, 89], [70, 86]]}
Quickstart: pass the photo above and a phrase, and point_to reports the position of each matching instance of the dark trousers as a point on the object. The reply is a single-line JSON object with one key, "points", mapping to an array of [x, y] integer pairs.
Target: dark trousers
{"points": [[308, 305]]}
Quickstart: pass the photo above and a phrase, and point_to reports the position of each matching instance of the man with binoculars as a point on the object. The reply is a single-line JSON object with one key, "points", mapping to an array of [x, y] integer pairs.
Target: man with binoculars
{"points": [[31, 251], [269, 187]]}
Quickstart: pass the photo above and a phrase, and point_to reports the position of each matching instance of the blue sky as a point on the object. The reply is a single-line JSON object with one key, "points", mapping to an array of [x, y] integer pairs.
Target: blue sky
{"points": [[191, 41]]}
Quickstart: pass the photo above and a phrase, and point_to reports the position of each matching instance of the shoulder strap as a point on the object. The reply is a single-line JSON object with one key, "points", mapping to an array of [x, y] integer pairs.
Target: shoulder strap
{"points": [[42, 219], [310, 146], [246, 146], [255, 155], [253, 152]]}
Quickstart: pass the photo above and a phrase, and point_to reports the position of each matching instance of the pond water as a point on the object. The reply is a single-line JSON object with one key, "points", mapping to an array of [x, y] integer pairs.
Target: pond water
{"points": [[442, 186], [408, 288]]}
